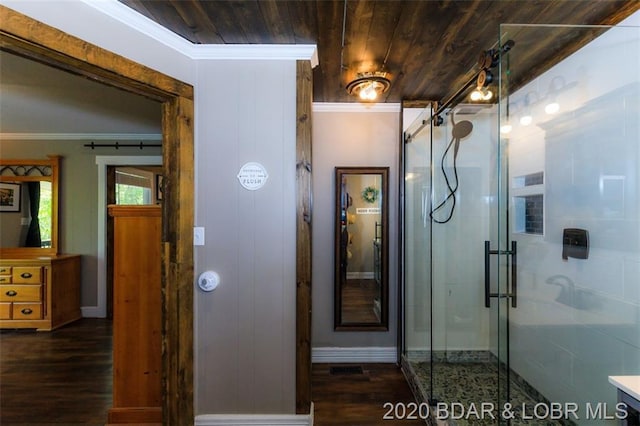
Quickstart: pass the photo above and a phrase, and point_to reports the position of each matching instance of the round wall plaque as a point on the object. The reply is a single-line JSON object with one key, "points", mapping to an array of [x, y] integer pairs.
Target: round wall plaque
{"points": [[252, 176]]}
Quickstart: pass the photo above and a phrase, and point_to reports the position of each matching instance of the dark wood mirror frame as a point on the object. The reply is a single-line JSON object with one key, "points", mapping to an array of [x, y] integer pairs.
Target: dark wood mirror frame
{"points": [[379, 282], [24, 173]]}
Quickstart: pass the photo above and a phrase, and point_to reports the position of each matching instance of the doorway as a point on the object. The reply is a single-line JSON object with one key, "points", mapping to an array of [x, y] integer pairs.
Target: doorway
{"points": [[129, 180], [24, 36]]}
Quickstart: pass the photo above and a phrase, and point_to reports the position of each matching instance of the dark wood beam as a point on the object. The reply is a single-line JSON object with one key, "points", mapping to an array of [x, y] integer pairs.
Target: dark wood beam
{"points": [[303, 237]]}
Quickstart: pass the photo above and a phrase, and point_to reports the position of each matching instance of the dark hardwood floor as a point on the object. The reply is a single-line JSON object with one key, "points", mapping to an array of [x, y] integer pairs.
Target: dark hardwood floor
{"points": [[62, 377], [358, 399]]}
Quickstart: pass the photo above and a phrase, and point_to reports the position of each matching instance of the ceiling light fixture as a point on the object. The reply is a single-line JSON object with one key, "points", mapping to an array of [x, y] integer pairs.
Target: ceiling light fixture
{"points": [[481, 94], [369, 85], [485, 77]]}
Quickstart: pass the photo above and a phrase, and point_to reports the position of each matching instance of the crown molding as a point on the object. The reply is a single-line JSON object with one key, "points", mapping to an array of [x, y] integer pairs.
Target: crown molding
{"points": [[81, 136], [255, 51], [150, 28], [139, 22], [355, 107]]}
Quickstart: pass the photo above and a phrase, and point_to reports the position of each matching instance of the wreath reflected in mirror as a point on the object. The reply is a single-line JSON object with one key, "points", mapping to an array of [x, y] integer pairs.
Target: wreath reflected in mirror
{"points": [[370, 194]]}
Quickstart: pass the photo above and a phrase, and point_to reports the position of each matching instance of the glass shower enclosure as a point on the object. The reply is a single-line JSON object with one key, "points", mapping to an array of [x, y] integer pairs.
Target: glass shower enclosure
{"points": [[522, 235]]}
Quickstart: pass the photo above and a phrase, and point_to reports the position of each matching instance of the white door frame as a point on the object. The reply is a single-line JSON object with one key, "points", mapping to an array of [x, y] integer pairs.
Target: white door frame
{"points": [[100, 311]]}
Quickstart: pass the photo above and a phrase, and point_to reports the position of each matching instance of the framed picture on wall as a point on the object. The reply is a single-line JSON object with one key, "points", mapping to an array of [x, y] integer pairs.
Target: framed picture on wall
{"points": [[159, 187], [9, 197]]}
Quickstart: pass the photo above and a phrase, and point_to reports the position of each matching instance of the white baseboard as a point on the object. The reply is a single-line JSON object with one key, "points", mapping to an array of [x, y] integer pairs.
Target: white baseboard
{"points": [[92, 312], [354, 354], [255, 419], [360, 275]]}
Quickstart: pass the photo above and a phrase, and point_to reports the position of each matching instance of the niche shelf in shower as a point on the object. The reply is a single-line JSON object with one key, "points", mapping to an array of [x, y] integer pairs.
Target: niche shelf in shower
{"points": [[528, 203]]}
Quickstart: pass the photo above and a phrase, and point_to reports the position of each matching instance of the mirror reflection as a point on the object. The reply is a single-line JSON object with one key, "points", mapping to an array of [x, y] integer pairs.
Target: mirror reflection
{"points": [[29, 206], [26, 214], [361, 227]]}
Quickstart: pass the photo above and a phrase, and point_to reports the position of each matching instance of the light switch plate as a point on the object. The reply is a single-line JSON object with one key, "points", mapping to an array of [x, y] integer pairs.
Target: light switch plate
{"points": [[198, 236]]}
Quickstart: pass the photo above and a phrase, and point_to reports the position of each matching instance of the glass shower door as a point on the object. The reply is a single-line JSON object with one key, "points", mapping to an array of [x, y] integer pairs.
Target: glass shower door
{"points": [[470, 290], [542, 228], [417, 256], [500, 293], [567, 193], [454, 343]]}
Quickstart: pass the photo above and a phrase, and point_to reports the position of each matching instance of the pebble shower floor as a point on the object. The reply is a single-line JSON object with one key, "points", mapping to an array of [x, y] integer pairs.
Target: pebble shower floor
{"points": [[474, 383]]}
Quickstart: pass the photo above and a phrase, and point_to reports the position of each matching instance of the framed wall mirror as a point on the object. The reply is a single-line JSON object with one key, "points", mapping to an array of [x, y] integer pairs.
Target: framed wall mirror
{"points": [[361, 249], [29, 207]]}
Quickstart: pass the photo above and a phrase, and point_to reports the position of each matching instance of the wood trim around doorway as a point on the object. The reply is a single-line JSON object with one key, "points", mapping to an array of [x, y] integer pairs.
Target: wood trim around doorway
{"points": [[29, 38], [32, 39], [304, 94]]}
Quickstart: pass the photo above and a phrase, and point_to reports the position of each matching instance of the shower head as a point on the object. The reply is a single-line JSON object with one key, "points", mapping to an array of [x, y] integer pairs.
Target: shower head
{"points": [[462, 129]]}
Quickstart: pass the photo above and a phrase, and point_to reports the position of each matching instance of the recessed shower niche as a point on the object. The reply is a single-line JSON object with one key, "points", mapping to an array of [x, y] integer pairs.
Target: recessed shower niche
{"points": [[528, 203]]}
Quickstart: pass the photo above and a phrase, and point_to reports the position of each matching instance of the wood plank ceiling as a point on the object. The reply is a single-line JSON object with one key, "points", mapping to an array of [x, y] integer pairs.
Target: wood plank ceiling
{"points": [[429, 48]]}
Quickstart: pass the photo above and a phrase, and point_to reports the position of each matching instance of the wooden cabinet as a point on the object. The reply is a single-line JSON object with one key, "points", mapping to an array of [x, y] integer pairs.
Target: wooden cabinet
{"points": [[39, 292], [137, 315]]}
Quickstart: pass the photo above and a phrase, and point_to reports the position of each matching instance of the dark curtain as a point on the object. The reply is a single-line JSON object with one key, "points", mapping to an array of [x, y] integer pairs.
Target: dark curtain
{"points": [[33, 235]]}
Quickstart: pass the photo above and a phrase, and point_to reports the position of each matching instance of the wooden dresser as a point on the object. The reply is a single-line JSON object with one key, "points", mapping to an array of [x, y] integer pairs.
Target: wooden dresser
{"points": [[39, 292], [137, 315]]}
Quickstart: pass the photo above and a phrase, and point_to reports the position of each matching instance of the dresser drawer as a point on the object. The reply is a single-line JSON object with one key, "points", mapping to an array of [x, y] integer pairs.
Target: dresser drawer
{"points": [[22, 311], [5, 310], [5, 270], [27, 274], [20, 293], [5, 279]]}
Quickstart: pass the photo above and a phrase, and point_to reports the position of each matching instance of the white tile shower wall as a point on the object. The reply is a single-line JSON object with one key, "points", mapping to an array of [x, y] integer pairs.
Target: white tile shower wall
{"points": [[578, 321], [631, 287]]}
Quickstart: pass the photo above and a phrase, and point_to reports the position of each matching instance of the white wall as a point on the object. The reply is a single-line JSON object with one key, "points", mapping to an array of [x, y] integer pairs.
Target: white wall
{"points": [[346, 137]]}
